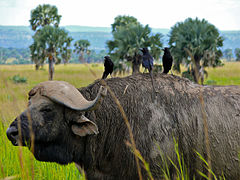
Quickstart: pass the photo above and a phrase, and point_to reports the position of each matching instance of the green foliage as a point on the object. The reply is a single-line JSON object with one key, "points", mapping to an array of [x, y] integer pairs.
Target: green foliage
{"points": [[38, 53], [51, 41], [157, 68], [237, 54], [187, 74], [20, 55], [181, 168], [123, 21], [43, 15], [128, 37], [19, 79], [81, 47], [206, 166], [228, 54], [91, 57], [200, 38]]}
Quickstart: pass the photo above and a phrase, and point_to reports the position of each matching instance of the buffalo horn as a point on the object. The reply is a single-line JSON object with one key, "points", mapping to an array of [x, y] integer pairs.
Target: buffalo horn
{"points": [[66, 94]]}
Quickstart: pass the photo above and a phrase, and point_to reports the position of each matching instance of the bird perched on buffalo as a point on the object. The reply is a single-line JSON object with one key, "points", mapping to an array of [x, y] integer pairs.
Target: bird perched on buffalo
{"points": [[147, 60], [147, 63], [167, 60], [108, 67]]}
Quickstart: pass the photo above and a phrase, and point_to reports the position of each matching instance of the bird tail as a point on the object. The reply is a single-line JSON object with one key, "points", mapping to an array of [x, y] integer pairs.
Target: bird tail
{"points": [[104, 76], [154, 90]]}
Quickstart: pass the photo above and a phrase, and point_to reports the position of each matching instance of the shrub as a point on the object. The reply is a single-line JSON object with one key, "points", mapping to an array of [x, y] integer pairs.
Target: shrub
{"points": [[19, 79], [211, 82]]}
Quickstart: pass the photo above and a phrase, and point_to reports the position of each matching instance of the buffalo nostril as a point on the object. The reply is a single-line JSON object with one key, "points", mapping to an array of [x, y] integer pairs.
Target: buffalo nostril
{"points": [[12, 134]]}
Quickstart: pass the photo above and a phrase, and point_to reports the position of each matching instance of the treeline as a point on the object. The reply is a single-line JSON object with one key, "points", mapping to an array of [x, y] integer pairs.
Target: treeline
{"points": [[232, 55], [21, 36], [14, 56], [22, 56]]}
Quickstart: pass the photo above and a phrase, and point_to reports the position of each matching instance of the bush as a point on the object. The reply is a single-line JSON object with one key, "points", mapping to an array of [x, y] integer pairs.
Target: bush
{"points": [[188, 75], [211, 82], [19, 79]]}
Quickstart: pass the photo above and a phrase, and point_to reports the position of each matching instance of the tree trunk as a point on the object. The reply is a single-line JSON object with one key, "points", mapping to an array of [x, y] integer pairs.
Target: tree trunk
{"points": [[81, 57], [196, 64], [41, 65], [51, 67], [137, 60], [64, 61], [37, 66], [196, 69]]}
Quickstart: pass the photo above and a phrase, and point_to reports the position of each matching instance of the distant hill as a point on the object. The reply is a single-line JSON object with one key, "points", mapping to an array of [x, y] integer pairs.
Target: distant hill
{"points": [[21, 36], [231, 39], [87, 29]]}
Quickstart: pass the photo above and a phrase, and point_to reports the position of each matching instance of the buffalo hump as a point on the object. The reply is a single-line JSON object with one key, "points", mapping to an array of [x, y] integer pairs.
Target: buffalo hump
{"points": [[177, 114]]}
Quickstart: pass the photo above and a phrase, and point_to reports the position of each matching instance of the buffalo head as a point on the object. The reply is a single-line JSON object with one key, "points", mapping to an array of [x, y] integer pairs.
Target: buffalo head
{"points": [[54, 121]]}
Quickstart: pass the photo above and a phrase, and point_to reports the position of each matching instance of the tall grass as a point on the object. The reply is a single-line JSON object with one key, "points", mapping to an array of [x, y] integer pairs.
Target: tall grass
{"points": [[180, 167], [13, 100], [18, 162]]}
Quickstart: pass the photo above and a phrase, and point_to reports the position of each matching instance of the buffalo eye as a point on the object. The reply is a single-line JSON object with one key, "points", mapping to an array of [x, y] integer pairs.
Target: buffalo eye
{"points": [[47, 113], [46, 109]]}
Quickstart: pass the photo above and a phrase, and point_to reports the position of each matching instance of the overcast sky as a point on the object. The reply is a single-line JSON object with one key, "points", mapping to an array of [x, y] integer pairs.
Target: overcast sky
{"points": [[224, 14]]}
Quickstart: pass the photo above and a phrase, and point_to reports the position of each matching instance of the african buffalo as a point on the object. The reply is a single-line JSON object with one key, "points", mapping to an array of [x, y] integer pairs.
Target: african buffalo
{"points": [[69, 127]]}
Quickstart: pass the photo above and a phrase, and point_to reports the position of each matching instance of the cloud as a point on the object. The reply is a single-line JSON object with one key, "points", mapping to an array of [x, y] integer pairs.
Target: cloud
{"points": [[8, 3], [157, 13]]}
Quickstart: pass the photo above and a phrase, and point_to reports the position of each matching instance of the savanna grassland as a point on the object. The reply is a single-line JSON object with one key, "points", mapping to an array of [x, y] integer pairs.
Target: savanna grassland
{"points": [[17, 162]]}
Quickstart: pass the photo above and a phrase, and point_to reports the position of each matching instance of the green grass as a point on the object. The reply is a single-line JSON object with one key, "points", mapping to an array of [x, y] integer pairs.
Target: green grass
{"points": [[13, 100], [229, 74]]}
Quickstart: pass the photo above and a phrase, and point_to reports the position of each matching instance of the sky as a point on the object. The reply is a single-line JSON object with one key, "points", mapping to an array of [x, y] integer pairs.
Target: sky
{"points": [[224, 14]]}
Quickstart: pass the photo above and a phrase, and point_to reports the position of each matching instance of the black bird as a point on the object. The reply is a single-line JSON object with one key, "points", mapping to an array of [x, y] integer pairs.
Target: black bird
{"points": [[147, 63], [108, 67], [147, 60], [167, 60]]}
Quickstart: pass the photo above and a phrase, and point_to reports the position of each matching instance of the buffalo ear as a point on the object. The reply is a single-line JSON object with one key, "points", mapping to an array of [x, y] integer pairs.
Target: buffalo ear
{"points": [[83, 126]]}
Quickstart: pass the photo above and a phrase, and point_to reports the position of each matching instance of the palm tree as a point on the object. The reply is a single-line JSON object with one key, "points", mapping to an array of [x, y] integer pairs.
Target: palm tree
{"points": [[123, 21], [129, 38], [41, 16], [81, 47], [38, 54], [194, 41], [55, 42], [228, 54], [44, 15], [66, 52], [66, 55], [237, 54]]}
